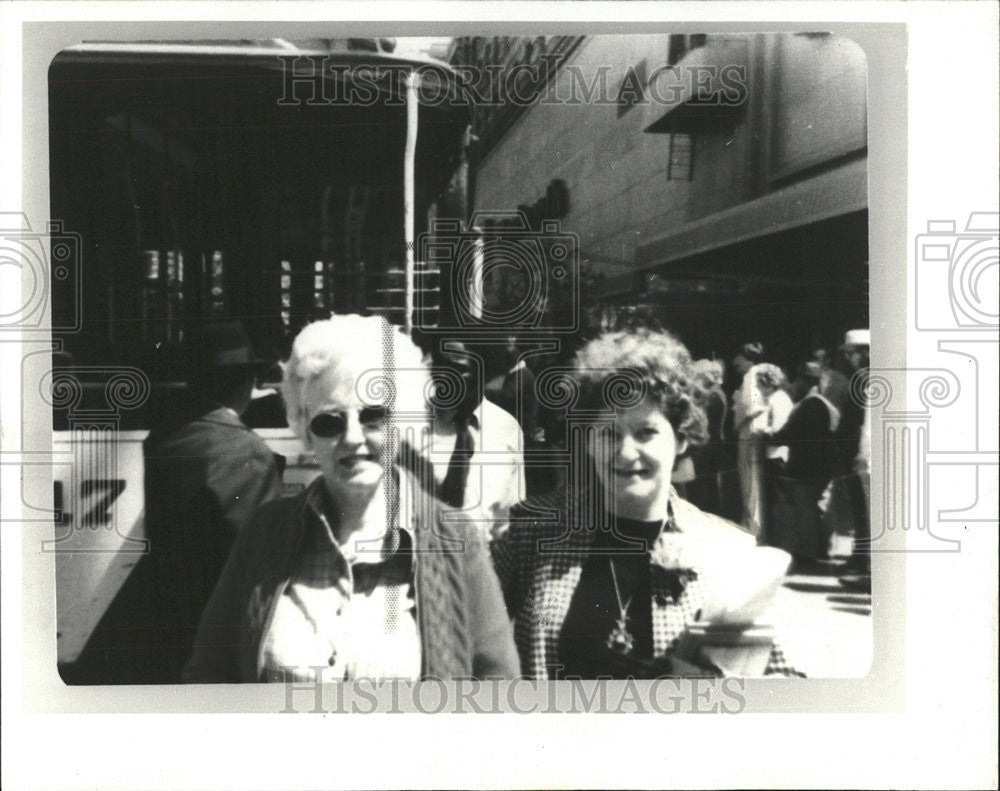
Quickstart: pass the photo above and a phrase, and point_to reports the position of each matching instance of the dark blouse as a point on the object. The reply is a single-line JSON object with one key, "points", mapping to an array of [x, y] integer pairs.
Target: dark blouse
{"points": [[591, 643], [540, 562]]}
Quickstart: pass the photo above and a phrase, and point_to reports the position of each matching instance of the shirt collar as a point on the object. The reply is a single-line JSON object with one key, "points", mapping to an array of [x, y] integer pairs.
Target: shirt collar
{"points": [[473, 420], [318, 504], [224, 415], [670, 523]]}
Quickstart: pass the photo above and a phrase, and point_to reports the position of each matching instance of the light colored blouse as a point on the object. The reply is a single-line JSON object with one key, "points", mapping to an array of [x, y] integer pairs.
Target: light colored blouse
{"points": [[348, 611]]}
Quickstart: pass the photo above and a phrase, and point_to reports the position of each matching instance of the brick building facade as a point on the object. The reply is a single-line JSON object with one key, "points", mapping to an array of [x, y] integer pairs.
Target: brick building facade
{"points": [[720, 181]]}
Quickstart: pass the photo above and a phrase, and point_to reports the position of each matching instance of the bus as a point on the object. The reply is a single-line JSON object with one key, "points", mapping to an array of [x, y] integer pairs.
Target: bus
{"points": [[270, 181]]}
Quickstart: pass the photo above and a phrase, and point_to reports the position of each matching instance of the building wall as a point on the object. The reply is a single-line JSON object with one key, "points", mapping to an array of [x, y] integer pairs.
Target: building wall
{"points": [[805, 109], [819, 102]]}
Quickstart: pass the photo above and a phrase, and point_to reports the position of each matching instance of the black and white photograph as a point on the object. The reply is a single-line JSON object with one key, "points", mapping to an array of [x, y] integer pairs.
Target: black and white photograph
{"points": [[497, 368], [629, 274]]}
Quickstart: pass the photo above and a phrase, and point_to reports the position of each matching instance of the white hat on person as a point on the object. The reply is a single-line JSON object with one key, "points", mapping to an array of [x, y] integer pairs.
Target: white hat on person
{"points": [[858, 338]]}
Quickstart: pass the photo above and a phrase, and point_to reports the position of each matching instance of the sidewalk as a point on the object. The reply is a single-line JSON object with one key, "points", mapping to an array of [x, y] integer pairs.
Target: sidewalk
{"points": [[825, 628]]}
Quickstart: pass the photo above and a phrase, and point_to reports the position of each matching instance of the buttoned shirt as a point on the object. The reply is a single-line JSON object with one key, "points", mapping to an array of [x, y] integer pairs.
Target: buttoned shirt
{"points": [[496, 468], [348, 611]]}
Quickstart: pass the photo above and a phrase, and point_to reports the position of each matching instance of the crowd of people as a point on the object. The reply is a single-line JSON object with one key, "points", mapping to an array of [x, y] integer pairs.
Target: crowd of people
{"points": [[439, 541], [803, 451]]}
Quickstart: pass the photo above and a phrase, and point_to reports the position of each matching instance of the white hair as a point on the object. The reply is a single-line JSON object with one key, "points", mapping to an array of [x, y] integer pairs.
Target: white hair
{"points": [[365, 352]]}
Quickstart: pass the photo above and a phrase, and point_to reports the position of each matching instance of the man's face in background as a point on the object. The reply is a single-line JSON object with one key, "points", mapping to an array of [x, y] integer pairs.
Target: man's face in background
{"points": [[457, 368], [857, 356]]}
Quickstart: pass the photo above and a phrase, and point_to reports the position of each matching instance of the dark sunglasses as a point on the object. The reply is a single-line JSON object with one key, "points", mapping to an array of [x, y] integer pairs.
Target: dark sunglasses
{"points": [[332, 424]]}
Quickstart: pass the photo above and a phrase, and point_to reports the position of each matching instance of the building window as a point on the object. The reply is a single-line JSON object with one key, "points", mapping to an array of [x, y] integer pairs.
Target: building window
{"points": [[632, 91], [680, 162], [681, 44]]}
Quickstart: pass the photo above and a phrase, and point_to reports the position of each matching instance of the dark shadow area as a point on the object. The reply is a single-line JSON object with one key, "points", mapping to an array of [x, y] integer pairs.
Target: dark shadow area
{"points": [[855, 610], [809, 587]]}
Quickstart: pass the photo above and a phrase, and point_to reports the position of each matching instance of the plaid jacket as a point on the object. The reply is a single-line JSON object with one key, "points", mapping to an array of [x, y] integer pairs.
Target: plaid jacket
{"points": [[540, 559]]}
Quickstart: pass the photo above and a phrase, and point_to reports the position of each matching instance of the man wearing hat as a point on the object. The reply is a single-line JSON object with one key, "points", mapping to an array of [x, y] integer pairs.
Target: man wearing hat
{"points": [[832, 383], [203, 480]]}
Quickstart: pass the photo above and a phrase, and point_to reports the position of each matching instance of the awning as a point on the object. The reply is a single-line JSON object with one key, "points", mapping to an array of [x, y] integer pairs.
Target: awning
{"points": [[706, 90], [831, 194]]}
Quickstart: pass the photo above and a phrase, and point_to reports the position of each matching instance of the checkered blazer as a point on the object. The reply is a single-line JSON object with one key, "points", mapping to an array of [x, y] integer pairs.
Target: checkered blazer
{"points": [[539, 561]]}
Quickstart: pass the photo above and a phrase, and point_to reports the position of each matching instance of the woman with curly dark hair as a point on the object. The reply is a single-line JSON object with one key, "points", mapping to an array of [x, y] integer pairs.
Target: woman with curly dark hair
{"points": [[603, 576]]}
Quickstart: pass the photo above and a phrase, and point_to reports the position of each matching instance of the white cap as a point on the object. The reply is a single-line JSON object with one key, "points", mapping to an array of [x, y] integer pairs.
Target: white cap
{"points": [[858, 338]]}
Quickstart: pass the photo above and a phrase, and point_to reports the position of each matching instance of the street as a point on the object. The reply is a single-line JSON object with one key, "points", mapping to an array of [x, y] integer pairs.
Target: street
{"points": [[825, 629]]}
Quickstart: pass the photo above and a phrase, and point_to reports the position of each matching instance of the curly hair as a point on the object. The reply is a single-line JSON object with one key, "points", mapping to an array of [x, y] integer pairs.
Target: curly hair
{"points": [[770, 376], [365, 352], [753, 351], [620, 369], [709, 373]]}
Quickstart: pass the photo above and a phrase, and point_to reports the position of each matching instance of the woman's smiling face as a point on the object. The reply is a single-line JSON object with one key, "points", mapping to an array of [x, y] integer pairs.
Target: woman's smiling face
{"points": [[635, 459], [349, 436]]}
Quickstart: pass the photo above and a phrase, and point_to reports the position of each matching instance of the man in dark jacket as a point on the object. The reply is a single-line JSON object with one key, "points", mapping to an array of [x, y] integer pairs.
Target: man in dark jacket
{"points": [[796, 519], [203, 480]]}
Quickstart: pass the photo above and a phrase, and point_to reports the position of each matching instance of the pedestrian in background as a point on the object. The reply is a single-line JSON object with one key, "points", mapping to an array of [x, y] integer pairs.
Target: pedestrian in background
{"points": [[856, 450], [774, 414], [514, 390], [705, 490], [475, 444], [203, 482], [749, 418], [832, 383], [796, 523]]}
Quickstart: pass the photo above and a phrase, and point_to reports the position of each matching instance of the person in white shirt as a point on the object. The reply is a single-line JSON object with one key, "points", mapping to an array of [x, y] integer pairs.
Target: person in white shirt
{"points": [[476, 446], [749, 418], [771, 417], [514, 390], [777, 406]]}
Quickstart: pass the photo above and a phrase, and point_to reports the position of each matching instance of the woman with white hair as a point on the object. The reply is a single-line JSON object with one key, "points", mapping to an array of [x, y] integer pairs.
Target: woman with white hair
{"points": [[358, 576]]}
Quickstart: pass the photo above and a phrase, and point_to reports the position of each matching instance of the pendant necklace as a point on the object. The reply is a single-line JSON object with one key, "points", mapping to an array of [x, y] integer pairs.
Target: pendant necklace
{"points": [[620, 640]]}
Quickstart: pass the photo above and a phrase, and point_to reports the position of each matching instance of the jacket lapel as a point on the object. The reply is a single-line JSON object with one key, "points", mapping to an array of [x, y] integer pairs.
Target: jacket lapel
{"points": [[557, 574], [278, 558]]}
